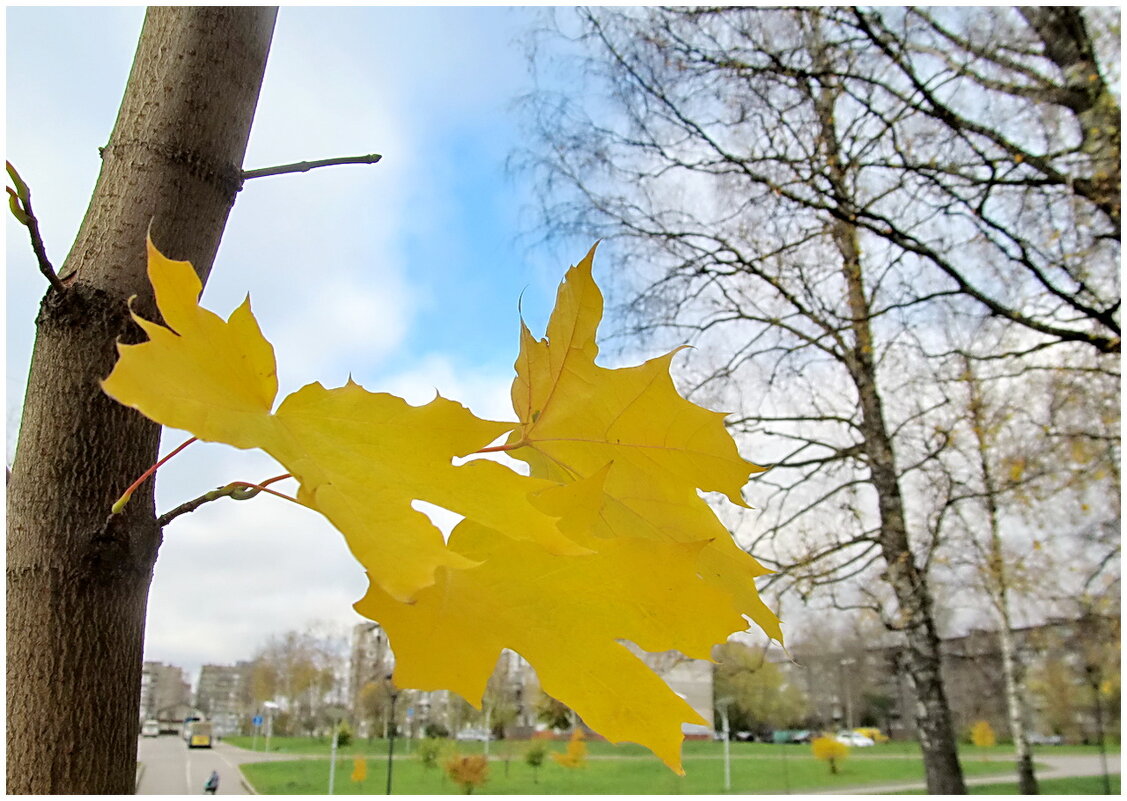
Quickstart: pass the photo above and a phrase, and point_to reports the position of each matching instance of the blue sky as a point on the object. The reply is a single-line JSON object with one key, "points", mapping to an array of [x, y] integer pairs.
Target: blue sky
{"points": [[405, 274]]}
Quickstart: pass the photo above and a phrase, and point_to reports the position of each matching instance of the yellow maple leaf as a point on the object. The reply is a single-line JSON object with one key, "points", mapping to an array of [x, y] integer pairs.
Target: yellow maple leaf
{"points": [[565, 615], [202, 374], [361, 457], [608, 540], [652, 448]]}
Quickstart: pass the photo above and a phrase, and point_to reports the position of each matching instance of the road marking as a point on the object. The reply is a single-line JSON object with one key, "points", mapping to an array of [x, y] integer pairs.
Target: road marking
{"points": [[225, 759], [188, 770]]}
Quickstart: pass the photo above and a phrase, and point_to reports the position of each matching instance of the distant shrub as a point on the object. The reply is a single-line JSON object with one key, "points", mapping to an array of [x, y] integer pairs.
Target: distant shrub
{"points": [[429, 751], [982, 734], [534, 758], [470, 772], [829, 750], [576, 754]]}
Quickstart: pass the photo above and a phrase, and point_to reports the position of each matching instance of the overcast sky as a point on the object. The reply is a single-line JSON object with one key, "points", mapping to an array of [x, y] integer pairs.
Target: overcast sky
{"points": [[406, 274]]}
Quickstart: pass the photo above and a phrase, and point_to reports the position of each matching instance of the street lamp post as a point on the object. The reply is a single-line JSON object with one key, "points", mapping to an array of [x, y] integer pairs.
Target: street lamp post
{"points": [[269, 706], [391, 732], [844, 673], [722, 708], [336, 715]]}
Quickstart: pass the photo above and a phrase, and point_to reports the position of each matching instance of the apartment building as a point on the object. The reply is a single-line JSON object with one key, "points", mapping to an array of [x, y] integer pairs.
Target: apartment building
{"points": [[162, 687]]}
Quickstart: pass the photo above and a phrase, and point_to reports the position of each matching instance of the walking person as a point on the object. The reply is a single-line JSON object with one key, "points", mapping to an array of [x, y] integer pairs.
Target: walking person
{"points": [[212, 783]]}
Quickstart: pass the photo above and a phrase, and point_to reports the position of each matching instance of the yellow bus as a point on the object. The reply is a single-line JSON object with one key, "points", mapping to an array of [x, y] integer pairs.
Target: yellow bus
{"points": [[197, 733]]}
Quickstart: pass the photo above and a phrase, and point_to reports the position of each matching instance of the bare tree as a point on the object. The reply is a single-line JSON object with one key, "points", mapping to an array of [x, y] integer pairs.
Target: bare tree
{"points": [[817, 195], [305, 672], [1025, 500], [995, 572], [78, 578]]}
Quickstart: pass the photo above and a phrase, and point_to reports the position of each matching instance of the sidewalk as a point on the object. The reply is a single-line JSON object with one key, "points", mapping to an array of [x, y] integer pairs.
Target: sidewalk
{"points": [[1052, 767]]}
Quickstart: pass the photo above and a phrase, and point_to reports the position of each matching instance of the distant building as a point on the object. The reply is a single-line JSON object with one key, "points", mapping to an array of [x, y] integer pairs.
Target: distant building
{"points": [[514, 681], [870, 686], [370, 661], [162, 686], [222, 696], [689, 678]]}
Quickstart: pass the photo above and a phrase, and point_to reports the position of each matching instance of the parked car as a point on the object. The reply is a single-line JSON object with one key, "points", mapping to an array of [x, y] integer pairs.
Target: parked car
{"points": [[854, 740], [1046, 739], [150, 728], [481, 735], [791, 736], [872, 732]]}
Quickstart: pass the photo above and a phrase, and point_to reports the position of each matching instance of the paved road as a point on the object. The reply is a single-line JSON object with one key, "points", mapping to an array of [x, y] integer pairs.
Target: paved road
{"points": [[1051, 766], [169, 767]]}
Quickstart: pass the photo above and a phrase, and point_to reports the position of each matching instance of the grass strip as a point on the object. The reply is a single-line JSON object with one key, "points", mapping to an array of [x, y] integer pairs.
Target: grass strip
{"points": [[789, 771]]}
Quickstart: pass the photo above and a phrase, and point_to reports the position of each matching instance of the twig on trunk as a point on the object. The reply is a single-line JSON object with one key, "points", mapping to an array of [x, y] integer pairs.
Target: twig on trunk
{"points": [[236, 490], [306, 166], [19, 199]]}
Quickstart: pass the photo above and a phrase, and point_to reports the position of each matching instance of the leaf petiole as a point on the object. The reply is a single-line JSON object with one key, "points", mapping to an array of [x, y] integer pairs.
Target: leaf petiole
{"points": [[119, 504], [501, 448], [244, 490]]}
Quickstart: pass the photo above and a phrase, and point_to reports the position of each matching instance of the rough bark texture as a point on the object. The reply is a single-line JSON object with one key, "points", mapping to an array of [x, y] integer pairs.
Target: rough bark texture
{"points": [[933, 716], [77, 580], [943, 772]]}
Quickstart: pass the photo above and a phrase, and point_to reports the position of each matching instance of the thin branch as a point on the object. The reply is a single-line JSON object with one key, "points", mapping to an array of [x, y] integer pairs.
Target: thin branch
{"points": [[20, 201], [236, 490], [306, 166]]}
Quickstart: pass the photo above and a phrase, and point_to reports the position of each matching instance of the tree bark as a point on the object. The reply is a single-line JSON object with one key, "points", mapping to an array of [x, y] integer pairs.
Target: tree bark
{"points": [[77, 579], [943, 772]]}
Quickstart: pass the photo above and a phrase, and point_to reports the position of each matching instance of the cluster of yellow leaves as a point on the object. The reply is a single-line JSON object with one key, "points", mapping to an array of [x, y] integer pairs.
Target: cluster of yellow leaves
{"points": [[829, 750], [576, 754], [468, 771], [607, 539], [982, 734], [359, 769]]}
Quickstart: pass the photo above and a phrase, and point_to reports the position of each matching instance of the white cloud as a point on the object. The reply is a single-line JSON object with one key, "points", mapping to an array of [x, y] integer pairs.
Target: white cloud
{"points": [[486, 394], [231, 574]]}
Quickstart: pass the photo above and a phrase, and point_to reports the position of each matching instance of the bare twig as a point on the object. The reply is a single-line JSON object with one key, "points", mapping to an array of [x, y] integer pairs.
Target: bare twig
{"points": [[306, 166], [236, 490], [20, 201], [119, 504]]}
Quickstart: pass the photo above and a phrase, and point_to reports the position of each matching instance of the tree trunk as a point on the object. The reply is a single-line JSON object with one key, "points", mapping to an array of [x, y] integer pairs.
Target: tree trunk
{"points": [[997, 582], [933, 714], [77, 579]]}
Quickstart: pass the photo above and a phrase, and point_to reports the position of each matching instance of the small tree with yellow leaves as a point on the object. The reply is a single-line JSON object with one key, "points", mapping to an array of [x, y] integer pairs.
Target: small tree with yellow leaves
{"points": [[576, 754], [829, 750], [468, 771], [359, 770], [982, 734]]}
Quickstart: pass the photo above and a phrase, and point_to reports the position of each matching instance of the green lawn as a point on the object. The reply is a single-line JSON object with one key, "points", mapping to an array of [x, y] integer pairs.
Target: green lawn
{"points": [[756, 768], [311, 746]]}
